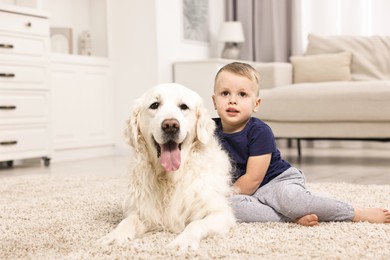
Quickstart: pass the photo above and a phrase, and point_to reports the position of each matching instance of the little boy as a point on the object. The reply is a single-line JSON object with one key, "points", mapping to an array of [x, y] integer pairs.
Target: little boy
{"points": [[267, 187]]}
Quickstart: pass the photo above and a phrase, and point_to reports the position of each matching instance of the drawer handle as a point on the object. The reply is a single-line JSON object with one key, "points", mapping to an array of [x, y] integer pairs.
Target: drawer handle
{"points": [[8, 107], [6, 46], [7, 75], [13, 142], [28, 24]]}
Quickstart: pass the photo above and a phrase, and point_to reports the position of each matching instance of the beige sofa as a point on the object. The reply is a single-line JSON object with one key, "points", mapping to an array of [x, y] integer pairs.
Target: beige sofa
{"points": [[340, 89]]}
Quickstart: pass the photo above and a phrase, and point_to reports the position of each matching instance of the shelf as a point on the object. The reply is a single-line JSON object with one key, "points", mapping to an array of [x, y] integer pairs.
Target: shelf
{"points": [[72, 18], [23, 10], [78, 16], [79, 59]]}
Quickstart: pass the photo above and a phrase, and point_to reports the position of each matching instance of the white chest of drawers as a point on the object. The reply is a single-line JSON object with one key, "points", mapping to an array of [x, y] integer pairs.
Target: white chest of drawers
{"points": [[24, 87]]}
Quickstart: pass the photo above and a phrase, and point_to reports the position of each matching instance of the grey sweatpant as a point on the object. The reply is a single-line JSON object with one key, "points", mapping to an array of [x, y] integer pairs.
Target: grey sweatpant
{"points": [[285, 198]]}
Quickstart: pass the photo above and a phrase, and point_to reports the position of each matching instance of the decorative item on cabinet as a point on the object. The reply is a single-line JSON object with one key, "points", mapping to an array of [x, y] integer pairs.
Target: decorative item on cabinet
{"points": [[85, 43], [61, 40]]}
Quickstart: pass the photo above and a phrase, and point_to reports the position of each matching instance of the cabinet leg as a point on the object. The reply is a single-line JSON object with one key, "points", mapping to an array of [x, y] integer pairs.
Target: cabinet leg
{"points": [[46, 161]]}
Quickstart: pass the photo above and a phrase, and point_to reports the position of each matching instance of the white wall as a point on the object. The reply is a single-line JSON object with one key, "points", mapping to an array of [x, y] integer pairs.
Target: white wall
{"points": [[145, 40], [133, 54], [171, 45]]}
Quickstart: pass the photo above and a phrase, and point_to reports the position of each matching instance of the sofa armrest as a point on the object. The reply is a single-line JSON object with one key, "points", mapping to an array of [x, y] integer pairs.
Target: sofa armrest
{"points": [[274, 74]]}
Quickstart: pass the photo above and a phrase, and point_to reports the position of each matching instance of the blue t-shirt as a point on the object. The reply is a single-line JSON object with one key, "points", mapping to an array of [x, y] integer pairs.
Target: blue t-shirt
{"points": [[255, 139]]}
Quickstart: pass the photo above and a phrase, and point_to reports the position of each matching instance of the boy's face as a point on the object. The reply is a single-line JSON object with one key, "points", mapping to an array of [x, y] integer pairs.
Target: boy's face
{"points": [[235, 99]]}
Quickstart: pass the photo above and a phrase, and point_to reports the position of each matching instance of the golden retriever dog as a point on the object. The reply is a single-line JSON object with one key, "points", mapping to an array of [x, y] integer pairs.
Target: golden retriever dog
{"points": [[179, 179]]}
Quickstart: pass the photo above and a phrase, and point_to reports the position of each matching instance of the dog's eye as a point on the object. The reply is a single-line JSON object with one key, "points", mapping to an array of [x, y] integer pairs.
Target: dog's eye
{"points": [[184, 107], [154, 106]]}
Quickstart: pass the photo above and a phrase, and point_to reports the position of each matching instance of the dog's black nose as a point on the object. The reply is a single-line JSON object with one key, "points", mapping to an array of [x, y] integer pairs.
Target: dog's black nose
{"points": [[170, 126]]}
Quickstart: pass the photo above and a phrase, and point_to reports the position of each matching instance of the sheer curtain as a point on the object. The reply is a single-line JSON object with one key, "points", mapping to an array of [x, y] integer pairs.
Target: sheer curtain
{"points": [[272, 28]]}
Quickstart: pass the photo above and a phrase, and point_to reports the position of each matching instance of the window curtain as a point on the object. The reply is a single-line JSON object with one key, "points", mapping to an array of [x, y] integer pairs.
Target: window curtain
{"points": [[271, 27]]}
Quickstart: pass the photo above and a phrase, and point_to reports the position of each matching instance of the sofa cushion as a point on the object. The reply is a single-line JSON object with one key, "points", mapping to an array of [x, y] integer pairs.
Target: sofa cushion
{"points": [[327, 101], [322, 67], [370, 54]]}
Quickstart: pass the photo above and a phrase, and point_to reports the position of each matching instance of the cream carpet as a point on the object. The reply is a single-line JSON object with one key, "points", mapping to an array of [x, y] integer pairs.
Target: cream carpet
{"points": [[62, 217]]}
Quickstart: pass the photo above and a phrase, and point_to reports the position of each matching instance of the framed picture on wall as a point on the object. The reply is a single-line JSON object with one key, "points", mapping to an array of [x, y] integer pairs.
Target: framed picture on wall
{"points": [[196, 20]]}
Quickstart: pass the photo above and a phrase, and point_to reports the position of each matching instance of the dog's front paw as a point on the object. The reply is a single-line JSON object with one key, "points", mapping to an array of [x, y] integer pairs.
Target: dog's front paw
{"points": [[123, 233], [118, 236], [183, 242]]}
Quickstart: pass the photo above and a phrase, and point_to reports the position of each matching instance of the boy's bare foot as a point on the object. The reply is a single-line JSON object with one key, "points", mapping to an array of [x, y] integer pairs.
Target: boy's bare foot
{"points": [[372, 215], [307, 220]]}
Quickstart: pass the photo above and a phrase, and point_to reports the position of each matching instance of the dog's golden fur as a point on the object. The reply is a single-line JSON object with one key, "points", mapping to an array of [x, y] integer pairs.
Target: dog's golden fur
{"points": [[191, 199]]}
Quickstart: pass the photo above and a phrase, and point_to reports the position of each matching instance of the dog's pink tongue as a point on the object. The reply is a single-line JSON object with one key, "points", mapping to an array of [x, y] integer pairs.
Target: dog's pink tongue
{"points": [[170, 156]]}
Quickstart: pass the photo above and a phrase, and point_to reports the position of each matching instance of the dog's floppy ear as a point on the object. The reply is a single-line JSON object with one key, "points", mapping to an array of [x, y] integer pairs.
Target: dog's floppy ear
{"points": [[205, 126], [132, 128]]}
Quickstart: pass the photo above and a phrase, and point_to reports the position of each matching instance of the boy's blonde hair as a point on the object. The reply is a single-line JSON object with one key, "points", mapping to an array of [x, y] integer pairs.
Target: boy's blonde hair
{"points": [[242, 69]]}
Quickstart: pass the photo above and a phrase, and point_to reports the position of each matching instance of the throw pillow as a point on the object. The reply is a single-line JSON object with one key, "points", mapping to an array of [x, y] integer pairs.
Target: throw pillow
{"points": [[322, 67], [371, 54]]}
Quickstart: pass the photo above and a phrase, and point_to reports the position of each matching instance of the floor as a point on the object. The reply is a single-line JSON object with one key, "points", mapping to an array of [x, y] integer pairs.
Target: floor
{"points": [[359, 166]]}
